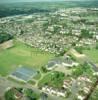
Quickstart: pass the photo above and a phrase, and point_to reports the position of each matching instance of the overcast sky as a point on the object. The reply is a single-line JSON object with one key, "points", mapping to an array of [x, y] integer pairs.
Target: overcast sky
{"points": [[5, 1], [27, 0]]}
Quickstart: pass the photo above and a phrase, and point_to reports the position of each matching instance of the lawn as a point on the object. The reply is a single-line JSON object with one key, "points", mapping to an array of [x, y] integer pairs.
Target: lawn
{"points": [[22, 54], [92, 54]]}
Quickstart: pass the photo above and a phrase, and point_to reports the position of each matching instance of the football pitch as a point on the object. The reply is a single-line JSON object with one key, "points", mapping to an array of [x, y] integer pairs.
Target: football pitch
{"points": [[22, 54]]}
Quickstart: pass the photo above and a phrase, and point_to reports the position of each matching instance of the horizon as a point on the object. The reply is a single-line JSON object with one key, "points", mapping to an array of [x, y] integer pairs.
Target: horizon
{"points": [[20, 1]]}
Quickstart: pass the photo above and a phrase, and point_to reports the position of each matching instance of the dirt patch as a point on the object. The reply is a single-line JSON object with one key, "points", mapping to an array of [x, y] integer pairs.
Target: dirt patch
{"points": [[77, 54], [6, 45]]}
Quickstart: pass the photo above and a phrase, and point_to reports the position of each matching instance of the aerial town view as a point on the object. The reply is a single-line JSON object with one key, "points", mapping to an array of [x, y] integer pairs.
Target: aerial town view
{"points": [[48, 49]]}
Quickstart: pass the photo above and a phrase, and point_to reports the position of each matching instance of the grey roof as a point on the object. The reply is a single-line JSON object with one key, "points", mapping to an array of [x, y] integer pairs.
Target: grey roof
{"points": [[59, 60], [50, 64], [24, 73]]}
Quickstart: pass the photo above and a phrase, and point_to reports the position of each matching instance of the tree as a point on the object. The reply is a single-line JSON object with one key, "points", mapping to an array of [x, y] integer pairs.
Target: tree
{"points": [[9, 95], [83, 69], [5, 37], [97, 45], [43, 69], [31, 94], [94, 95], [79, 49], [85, 33], [45, 26]]}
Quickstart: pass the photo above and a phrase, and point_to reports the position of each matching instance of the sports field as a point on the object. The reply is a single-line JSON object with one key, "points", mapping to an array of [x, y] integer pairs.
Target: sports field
{"points": [[22, 54], [92, 54]]}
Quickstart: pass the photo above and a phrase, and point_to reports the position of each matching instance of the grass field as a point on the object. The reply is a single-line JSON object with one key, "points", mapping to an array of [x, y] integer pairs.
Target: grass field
{"points": [[22, 54], [92, 54]]}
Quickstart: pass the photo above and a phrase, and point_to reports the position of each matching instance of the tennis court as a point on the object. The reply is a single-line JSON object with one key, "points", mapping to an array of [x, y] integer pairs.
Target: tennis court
{"points": [[24, 74]]}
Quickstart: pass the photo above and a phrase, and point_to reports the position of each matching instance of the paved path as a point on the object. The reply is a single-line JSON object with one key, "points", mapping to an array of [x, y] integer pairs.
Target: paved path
{"points": [[5, 83]]}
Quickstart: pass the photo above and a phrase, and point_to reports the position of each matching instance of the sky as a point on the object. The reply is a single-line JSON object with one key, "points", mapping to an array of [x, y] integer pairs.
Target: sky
{"points": [[1, 1], [8, 1]]}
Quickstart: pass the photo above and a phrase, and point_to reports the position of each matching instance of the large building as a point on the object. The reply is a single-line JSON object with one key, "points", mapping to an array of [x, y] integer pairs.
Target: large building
{"points": [[23, 74]]}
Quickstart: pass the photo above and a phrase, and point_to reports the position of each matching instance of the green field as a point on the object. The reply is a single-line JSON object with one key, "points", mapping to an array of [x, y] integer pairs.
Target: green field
{"points": [[92, 54], [22, 54]]}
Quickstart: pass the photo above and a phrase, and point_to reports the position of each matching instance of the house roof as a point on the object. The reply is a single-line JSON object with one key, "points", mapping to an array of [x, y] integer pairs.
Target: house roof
{"points": [[59, 60]]}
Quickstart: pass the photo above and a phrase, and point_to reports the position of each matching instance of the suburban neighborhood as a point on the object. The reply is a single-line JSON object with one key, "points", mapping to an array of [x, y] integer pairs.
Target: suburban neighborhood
{"points": [[50, 55]]}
